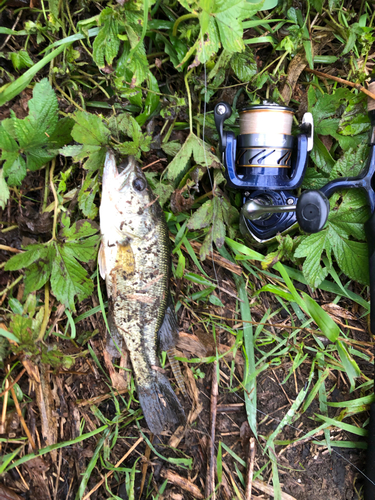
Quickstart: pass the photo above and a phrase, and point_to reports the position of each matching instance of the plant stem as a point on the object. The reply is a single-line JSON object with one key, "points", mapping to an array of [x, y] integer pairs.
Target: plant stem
{"points": [[44, 324], [189, 100], [11, 285], [55, 209], [180, 19]]}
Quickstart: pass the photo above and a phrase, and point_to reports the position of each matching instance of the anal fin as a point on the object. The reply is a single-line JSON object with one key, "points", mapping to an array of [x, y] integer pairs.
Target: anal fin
{"points": [[176, 369]]}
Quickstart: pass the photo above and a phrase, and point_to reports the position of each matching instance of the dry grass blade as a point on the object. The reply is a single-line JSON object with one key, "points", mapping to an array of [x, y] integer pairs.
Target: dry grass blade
{"points": [[183, 483], [250, 468], [210, 478]]}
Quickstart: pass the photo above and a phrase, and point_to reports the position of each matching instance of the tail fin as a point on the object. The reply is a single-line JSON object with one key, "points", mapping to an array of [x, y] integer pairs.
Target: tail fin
{"points": [[160, 405]]}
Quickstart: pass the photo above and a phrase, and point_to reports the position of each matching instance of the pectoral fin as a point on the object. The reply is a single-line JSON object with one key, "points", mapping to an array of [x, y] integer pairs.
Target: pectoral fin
{"points": [[101, 261]]}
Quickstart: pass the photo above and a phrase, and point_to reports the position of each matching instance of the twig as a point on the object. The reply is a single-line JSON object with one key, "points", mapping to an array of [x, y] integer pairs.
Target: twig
{"points": [[153, 163], [9, 287], [145, 467], [22, 420], [183, 483], [112, 471], [250, 469], [5, 404], [357, 86], [10, 249], [58, 475], [210, 478], [13, 383], [14, 25]]}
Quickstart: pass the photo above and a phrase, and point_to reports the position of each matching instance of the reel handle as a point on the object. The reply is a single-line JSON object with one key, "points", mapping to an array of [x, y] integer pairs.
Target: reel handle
{"points": [[312, 211], [221, 113]]}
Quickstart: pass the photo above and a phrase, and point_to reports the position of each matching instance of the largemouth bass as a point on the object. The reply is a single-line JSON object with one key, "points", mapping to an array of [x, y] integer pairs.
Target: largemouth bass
{"points": [[134, 260]]}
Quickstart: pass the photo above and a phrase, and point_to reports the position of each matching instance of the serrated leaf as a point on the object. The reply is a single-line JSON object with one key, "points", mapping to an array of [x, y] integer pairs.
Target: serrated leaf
{"points": [[68, 278], [312, 248], [193, 146], [14, 168], [4, 190], [41, 122], [202, 217], [171, 148], [86, 197], [351, 256], [91, 132], [107, 42], [218, 231], [351, 162], [21, 260], [89, 129]]}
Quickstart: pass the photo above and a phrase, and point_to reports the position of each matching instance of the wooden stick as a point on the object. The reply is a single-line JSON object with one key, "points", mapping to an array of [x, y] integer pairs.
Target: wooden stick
{"points": [[10, 249], [357, 86], [250, 469], [97, 486], [183, 483], [22, 420], [210, 478]]}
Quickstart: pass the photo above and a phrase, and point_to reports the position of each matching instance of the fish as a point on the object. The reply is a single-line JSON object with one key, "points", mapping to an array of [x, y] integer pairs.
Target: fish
{"points": [[134, 259]]}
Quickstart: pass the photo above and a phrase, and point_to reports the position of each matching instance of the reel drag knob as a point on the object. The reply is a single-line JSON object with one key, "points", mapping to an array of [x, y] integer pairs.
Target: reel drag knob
{"points": [[312, 211]]}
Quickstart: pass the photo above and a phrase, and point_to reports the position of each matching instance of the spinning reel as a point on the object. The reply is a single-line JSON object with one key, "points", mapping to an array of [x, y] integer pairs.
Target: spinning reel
{"points": [[267, 163]]}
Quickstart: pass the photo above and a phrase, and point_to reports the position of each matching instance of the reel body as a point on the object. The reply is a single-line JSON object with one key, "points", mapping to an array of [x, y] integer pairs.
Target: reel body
{"points": [[266, 163]]}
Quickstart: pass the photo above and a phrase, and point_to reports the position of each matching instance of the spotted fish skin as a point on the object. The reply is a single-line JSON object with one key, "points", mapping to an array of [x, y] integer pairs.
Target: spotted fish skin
{"points": [[134, 260]]}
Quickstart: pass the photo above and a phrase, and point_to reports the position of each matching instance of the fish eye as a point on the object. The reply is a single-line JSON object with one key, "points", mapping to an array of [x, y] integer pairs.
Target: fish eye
{"points": [[139, 184]]}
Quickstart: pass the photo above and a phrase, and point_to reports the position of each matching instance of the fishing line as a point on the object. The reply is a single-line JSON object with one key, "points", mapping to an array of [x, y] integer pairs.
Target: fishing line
{"points": [[216, 277], [205, 152]]}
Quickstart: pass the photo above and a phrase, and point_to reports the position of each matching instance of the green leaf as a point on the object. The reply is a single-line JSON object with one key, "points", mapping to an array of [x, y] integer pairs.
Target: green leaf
{"points": [[152, 99], [21, 60], [202, 217], [350, 366], [37, 135], [21, 260], [312, 248], [21, 328], [86, 197], [107, 42], [321, 156], [4, 190], [329, 328], [193, 146], [90, 131], [8, 335], [244, 65]]}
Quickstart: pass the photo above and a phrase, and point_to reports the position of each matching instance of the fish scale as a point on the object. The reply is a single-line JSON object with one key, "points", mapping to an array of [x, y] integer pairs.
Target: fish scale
{"points": [[134, 259]]}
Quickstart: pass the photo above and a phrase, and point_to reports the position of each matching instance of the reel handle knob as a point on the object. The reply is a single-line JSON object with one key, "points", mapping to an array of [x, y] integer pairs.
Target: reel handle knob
{"points": [[312, 211], [221, 113]]}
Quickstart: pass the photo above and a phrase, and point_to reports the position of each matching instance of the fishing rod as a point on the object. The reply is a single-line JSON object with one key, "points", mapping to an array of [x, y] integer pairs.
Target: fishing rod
{"points": [[267, 164]]}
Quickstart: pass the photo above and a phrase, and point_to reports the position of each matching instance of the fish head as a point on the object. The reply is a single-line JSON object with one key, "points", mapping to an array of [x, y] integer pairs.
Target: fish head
{"points": [[127, 199]]}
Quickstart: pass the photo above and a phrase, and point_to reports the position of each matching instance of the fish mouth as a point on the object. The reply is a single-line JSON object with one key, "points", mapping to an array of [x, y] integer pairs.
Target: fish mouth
{"points": [[120, 173]]}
